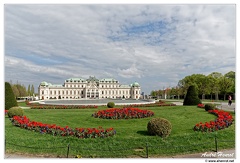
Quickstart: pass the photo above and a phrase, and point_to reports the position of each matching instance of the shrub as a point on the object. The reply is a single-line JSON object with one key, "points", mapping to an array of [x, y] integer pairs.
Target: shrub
{"points": [[191, 97], [160, 127], [10, 100], [15, 111], [110, 104], [209, 107]]}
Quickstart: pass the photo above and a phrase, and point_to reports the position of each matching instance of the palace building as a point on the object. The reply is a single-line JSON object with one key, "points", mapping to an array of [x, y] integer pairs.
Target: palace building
{"points": [[91, 88]]}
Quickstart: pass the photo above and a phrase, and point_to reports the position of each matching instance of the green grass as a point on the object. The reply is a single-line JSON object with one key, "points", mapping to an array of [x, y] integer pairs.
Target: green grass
{"points": [[22, 104], [131, 137]]}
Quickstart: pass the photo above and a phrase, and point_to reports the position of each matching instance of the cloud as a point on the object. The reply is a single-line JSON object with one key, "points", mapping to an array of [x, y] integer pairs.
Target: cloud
{"points": [[163, 43], [130, 72]]}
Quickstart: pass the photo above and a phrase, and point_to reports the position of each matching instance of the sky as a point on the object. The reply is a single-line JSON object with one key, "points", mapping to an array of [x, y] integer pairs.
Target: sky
{"points": [[155, 45]]}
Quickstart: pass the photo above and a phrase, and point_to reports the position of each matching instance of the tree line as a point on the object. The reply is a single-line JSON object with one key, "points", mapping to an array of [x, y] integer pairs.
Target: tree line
{"points": [[214, 86], [19, 90]]}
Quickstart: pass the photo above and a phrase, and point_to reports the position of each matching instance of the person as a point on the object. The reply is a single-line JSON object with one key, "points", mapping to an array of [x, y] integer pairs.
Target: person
{"points": [[229, 100]]}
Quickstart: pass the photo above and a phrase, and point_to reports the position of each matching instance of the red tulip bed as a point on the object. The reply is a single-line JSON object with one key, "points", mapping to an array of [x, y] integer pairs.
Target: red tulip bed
{"points": [[124, 113], [224, 120], [200, 105], [162, 103], [24, 122]]}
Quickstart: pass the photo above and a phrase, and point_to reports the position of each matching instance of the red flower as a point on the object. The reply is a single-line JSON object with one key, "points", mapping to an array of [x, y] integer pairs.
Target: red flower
{"points": [[24, 122], [124, 113], [224, 120]]}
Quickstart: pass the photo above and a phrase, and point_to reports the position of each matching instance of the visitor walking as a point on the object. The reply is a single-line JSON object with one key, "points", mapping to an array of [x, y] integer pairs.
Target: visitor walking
{"points": [[229, 100]]}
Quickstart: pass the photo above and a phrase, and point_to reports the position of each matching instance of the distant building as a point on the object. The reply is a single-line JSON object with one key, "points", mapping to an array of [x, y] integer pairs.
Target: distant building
{"points": [[91, 88]]}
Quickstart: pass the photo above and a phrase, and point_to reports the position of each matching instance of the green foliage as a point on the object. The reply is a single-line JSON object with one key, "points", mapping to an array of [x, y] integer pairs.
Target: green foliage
{"points": [[160, 127], [10, 100], [110, 104], [15, 111], [19, 90], [191, 97], [209, 107]]}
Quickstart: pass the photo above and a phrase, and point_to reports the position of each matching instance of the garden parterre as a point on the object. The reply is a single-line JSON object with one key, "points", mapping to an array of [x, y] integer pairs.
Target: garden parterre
{"points": [[130, 133]]}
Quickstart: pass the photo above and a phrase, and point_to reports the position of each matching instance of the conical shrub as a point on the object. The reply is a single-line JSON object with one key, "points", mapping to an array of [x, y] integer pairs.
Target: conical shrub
{"points": [[10, 100], [191, 97]]}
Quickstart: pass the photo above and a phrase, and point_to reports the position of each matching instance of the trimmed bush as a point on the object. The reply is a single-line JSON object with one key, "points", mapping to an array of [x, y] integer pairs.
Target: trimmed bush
{"points": [[160, 127], [209, 107], [191, 97], [10, 100], [15, 111], [110, 104]]}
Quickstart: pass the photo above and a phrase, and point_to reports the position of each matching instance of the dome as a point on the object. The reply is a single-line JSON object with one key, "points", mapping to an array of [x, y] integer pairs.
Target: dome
{"points": [[44, 83], [135, 84]]}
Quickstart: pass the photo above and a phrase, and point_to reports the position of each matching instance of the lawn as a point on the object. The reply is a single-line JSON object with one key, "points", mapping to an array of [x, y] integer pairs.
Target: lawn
{"points": [[131, 139]]}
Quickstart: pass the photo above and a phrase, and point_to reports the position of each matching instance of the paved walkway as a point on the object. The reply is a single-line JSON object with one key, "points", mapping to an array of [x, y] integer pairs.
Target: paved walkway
{"points": [[220, 105]]}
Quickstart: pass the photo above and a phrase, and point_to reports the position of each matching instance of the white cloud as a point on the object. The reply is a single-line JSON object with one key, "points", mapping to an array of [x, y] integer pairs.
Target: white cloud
{"points": [[161, 42], [130, 72]]}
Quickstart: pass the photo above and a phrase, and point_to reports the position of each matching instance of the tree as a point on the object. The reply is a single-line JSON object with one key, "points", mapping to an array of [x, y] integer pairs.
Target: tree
{"points": [[153, 93], [15, 91], [10, 100], [32, 89], [28, 90], [225, 85], [231, 75], [214, 77], [191, 97], [22, 90]]}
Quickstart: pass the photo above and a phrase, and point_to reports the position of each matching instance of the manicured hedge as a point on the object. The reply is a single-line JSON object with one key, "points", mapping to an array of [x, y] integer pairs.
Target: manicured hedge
{"points": [[10, 100]]}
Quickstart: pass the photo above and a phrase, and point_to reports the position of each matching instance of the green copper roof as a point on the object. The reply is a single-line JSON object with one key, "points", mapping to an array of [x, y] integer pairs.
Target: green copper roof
{"points": [[43, 83], [135, 84]]}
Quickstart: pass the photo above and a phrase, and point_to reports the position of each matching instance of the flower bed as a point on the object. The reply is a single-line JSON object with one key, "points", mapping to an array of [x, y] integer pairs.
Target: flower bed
{"points": [[224, 120], [124, 113], [6, 112], [63, 106], [149, 105], [24, 122], [201, 106]]}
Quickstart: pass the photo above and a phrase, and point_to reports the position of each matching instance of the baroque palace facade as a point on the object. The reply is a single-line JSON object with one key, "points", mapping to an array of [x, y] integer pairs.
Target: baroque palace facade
{"points": [[91, 88]]}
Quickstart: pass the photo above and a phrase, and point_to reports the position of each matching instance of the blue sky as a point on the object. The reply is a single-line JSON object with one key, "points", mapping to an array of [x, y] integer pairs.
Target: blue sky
{"points": [[156, 45]]}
